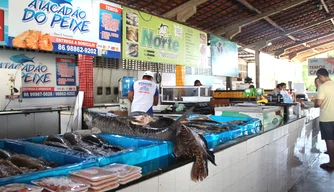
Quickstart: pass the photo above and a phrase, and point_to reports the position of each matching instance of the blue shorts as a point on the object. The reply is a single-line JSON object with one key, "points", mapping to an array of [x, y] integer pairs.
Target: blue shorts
{"points": [[327, 130]]}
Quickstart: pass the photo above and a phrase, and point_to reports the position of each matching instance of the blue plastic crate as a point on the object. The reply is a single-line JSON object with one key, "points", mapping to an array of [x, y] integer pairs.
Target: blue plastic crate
{"points": [[251, 126], [66, 162], [137, 149]]}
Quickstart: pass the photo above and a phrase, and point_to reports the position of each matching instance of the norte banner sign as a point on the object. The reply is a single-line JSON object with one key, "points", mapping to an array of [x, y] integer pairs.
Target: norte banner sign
{"points": [[91, 27], [317, 63], [43, 75], [153, 39]]}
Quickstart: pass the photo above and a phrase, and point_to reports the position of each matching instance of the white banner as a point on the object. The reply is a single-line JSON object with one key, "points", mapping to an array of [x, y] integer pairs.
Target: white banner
{"points": [[317, 63], [43, 75]]}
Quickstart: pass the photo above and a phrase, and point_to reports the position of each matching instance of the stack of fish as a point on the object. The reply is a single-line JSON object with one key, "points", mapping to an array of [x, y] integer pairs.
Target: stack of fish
{"points": [[90, 144], [16, 164]]}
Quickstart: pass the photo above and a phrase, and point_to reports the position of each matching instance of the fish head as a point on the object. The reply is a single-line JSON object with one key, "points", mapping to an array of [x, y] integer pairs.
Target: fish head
{"points": [[142, 120], [88, 118]]}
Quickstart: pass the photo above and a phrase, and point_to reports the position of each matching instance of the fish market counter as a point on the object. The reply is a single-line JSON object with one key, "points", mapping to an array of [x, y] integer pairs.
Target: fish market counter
{"points": [[269, 161], [29, 123], [273, 159]]}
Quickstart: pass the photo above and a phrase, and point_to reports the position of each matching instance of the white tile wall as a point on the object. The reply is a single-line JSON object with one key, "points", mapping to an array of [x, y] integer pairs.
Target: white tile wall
{"points": [[132, 188], [149, 185], [261, 164]]}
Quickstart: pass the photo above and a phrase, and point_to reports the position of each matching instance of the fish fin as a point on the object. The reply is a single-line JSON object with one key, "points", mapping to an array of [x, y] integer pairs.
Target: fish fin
{"points": [[210, 155], [182, 118], [200, 169]]}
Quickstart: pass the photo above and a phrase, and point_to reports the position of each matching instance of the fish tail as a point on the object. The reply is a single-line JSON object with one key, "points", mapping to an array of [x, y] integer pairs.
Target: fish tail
{"points": [[200, 170]]}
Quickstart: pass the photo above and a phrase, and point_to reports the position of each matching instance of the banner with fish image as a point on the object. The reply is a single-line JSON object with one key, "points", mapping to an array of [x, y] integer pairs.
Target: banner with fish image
{"points": [[224, 55], [150, 38], [317, 63], [43, 75], [71, 26]]}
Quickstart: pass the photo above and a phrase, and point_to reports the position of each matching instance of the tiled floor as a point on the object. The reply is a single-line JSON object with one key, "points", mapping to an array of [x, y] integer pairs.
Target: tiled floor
{"points": [[316, 179]]}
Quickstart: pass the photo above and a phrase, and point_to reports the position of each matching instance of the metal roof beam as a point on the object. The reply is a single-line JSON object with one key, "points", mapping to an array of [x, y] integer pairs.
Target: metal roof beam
{"points": [[184, 11], [306, 49], [281, 50], [237, 26], [263, 42]]}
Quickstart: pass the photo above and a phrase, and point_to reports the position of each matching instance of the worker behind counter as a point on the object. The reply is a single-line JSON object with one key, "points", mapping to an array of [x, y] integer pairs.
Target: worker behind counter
{"points": [[144, 94], [197, 83], [285, 94], [195, 91]]}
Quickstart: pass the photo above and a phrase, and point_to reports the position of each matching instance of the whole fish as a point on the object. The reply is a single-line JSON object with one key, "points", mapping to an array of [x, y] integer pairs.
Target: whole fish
{"points": [[56, 144], [72, 138], [84, 150], [56, 138], [124, 126], [21, 160], [112, 148], [190, 145], [4, 154], [8, 169], [94, 140]]}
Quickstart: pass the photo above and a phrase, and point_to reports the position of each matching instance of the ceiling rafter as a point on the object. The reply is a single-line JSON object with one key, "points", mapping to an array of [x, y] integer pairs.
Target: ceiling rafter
{"points": [[306, 49], [273, 23], [184, 11], [263, 43], [325, 6], [304, 43], [304, 58], [231, 30]]}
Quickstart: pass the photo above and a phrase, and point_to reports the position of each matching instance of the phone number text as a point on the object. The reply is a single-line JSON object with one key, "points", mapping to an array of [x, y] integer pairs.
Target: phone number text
{"points": [[77, 49]]}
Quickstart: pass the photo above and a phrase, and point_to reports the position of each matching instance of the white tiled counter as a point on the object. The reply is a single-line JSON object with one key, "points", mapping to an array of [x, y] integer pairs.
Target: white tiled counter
{"points": [[272, 161]]}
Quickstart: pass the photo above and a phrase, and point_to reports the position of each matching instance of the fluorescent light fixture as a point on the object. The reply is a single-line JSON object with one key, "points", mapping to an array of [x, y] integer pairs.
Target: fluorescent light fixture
{"points": [[250, 50]]}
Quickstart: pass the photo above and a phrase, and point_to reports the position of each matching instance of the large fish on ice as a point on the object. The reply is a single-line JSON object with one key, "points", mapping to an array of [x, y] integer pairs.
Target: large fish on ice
{"points": [[187, 143], [142, 125]]}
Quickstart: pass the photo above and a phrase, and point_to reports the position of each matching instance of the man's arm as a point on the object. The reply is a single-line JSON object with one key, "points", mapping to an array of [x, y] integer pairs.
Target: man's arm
{"points": [[130, 96], [320, 98], [318, 103]]}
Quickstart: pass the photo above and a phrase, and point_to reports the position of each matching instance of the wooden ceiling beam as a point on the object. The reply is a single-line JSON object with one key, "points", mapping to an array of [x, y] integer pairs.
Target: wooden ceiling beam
{"points": [[325, 5], [184, 11], [302, 59], [273, 23], [263, 43], [306, 49], [236, 27], [281, 50]]}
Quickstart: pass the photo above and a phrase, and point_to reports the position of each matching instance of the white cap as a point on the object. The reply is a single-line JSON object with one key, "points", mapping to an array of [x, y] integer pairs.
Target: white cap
{"points": [[148, 73]]}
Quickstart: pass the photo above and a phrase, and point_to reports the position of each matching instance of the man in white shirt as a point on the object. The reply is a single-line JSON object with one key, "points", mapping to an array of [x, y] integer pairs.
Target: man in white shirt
{"points": [[144, 94]]}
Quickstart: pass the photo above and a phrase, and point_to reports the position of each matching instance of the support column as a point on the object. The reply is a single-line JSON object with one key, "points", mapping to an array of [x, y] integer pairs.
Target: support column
{"points": [[86, 84], [257, 67], [229, 83], [180, 75]]}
